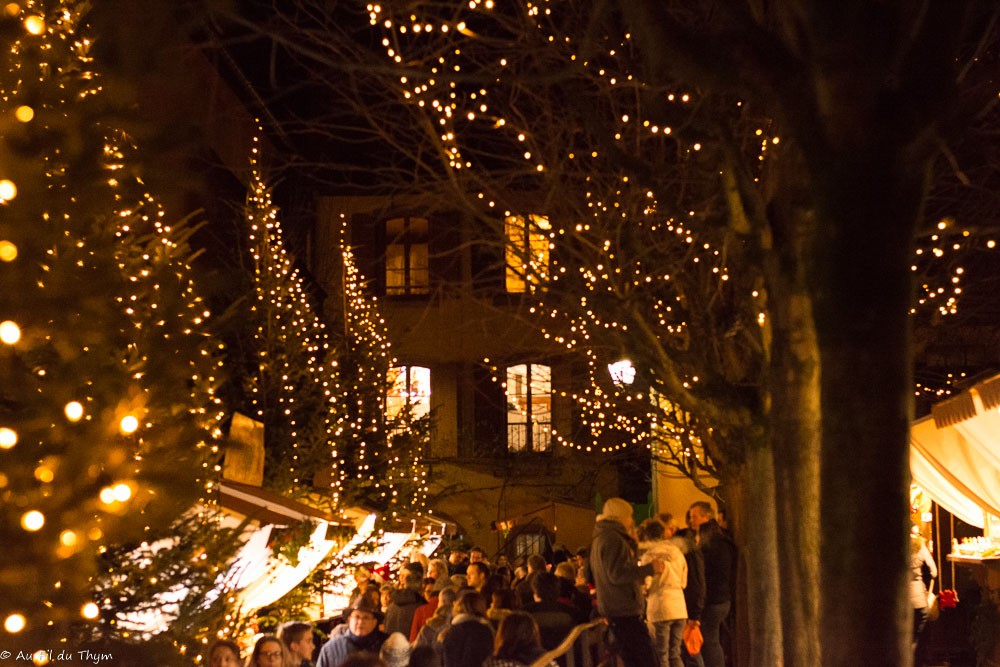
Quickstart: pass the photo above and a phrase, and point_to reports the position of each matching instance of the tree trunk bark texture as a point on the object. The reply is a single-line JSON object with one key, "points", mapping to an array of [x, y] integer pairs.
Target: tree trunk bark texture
{"points": [[866, 209], [794, 411], [795, 426], [750, 492]]}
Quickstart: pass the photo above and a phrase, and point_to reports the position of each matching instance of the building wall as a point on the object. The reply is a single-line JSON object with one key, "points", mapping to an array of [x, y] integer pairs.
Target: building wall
{"points": [[464, 319], [674, 492], [474, 498]]}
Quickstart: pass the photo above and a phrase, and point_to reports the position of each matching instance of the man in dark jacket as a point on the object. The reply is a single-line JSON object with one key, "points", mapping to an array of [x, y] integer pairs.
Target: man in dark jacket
{"points": [[618, 578], [719, 553], [694, 592], [404, 603], [362, 635]]}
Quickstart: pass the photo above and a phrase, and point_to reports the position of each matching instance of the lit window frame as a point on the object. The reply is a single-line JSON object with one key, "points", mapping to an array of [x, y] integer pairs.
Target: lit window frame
{"points": [[415, 281], [535, 430], [527, 249], [411, 396]]}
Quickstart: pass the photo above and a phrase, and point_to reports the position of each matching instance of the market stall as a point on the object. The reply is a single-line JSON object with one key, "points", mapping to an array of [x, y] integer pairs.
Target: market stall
{"points": [[955, 459]]}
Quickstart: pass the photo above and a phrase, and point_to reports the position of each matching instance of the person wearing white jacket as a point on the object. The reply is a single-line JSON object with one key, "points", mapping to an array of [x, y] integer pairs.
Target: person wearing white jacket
{"points": [[666, 610]]}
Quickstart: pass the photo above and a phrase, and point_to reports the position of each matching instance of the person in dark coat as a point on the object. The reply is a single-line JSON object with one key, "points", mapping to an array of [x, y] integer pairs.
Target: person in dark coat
{"points": [[404, 603], [719, 553], [362, 635], [517, 643], [469, 639], [555, 619], [694, 592], [618, 579]]}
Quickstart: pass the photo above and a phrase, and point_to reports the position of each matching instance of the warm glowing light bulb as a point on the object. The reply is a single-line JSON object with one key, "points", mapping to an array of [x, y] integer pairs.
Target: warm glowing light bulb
{"points": [[40, 657], [68, 538], [8, 437], [129, 424], [24, 113], [121, 492], [8, 251], [74, 411], [107, 495], [12, 9], [10, 333], [7, 190], [32, 521], [90, 611], [34, 24], [14, 623]]}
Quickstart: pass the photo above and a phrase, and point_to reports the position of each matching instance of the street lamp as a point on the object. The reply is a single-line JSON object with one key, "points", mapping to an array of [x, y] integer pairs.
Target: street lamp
{"points": [[623, 375], [622, 372]]}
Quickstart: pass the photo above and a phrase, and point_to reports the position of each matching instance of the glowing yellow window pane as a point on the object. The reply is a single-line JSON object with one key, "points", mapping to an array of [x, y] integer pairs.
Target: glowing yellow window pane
{"points": [[526, 252]]}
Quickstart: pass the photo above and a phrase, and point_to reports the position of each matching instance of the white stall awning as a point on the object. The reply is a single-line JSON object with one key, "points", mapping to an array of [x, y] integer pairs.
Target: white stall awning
{"points": [[955, 454]]}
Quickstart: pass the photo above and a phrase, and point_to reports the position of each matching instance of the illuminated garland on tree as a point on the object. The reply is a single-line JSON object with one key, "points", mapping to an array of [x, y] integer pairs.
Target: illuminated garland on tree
{"points": [[109, 417], [388, 472], [469, 68], [319, 390], [295, 387]]}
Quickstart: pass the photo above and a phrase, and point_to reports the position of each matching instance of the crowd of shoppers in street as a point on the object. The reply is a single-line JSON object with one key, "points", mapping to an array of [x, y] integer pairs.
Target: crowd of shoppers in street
{"points": [[655, 585]]}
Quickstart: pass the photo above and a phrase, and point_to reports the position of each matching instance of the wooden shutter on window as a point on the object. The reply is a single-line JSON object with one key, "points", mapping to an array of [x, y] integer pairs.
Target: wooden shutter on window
{"points": [[368, 241], [445, 252], [488, 268], [490, 415]]}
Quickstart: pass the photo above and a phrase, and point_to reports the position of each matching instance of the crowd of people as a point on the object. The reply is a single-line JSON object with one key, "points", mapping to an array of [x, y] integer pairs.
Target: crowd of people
{"points": [[659, 589]]}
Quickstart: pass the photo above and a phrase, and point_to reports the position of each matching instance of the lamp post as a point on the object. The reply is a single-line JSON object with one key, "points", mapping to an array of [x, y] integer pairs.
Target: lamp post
{"points": [[623, 375]]}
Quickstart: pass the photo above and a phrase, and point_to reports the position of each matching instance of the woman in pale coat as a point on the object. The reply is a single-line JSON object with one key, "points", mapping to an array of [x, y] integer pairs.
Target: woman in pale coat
{"points": [[920, 557], [665, 607]]}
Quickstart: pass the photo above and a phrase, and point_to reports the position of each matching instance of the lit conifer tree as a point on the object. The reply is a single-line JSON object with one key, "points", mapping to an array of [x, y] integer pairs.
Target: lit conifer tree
{"points": [[385, 468], [293, 380], [107, 407]]}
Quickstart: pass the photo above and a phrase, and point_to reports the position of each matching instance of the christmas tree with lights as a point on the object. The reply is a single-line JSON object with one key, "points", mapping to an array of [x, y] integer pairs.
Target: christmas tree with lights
{"points": [[292, 380], [320, 390], [108, 413], [383, 465]]}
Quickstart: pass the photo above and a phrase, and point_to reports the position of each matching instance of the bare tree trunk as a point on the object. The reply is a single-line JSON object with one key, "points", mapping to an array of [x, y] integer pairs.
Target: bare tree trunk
{"points": [[795, 425], [751, 491], [869, 202], [794, 380]]}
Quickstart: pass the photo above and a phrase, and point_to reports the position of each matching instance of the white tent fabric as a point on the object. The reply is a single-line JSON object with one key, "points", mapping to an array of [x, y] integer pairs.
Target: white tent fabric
{"points": [[959, 464]]}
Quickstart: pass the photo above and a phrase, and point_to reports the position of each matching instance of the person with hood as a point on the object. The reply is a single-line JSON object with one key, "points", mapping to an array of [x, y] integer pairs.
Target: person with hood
{"points": [[362, 635], [665, 606], [618, 578]]}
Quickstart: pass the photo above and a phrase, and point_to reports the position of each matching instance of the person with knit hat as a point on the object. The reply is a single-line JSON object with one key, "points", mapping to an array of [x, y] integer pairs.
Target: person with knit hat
{"points": [[395, 651], [618, 578]]}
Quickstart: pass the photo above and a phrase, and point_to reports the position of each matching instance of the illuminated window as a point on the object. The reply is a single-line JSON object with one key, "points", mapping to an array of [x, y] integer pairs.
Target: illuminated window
{"points": [[406, 266], [408, 385], [529, 408], [527, 252]]}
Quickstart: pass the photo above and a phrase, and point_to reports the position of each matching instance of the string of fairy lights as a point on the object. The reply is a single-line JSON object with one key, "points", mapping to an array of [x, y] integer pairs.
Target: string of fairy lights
{"points": [[379, 462], [295, 358], [103, 335], [445, 51]]}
